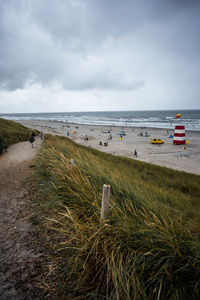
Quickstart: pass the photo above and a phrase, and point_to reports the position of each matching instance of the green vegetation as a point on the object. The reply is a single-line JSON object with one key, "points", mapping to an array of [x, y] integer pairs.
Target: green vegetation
{"points": [[149, 248], [12, 132]]}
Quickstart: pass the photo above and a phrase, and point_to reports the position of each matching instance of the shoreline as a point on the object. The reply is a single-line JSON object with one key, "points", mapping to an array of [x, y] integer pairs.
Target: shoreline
{"points": [[102, 125], [167, 155]]}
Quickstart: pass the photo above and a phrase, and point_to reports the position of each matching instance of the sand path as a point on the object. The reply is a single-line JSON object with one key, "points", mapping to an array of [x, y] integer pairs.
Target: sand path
{"points": [[19, 246]]}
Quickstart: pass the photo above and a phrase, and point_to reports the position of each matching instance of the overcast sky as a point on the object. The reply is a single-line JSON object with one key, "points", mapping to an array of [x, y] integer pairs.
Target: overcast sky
{"points": [[88, 55]]}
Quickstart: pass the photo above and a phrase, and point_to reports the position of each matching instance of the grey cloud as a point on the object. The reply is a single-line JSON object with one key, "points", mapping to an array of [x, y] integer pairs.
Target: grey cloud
{"points": [[50, 40], [104, 82]]}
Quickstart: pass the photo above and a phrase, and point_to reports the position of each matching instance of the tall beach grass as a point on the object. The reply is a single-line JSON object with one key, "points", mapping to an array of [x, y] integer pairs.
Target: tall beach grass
{"points": [[149, 246]]}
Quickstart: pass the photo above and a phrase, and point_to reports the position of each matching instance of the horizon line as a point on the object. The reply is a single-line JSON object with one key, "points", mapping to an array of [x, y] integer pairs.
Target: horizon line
{"points": [[96, 111]]}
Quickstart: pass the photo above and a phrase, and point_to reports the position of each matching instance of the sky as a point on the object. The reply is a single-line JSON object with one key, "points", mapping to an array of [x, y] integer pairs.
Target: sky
{"points": [[96, 55]]}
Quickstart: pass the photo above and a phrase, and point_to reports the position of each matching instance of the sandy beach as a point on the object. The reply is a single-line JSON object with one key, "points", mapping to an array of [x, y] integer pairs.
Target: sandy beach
{"points": [[167, 154]]}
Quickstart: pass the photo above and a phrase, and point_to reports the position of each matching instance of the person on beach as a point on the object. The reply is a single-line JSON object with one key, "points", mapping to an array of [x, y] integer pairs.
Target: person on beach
{"points": [[135, 153], [41, 135], [32, 139]]}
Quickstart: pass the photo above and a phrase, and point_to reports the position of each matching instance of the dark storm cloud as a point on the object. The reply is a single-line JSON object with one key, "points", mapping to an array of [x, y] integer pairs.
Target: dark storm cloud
{"points": [[77, 43]]}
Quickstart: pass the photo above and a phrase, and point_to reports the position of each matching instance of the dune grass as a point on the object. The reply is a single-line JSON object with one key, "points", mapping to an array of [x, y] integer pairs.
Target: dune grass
{"points": [[148, 248], [12, 132]]}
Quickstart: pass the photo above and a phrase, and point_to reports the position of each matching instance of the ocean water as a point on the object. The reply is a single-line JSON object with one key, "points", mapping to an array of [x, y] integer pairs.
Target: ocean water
{"points": [[157, 119]]}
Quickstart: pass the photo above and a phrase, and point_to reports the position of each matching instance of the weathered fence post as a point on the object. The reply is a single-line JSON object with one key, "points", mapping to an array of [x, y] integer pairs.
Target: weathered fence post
{"points": [[105, 201], [72, 162]]}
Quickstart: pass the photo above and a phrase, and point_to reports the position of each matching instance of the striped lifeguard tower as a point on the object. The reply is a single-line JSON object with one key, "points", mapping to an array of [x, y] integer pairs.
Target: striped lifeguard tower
{"points": [[179, 135]]}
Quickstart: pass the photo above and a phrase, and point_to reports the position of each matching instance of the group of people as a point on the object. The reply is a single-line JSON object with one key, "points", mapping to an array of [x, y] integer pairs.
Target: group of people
{"points": [[32, 140], [32, 137]]}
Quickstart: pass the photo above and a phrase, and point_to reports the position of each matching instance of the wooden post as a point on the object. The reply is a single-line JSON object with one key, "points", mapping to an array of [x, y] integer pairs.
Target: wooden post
{"points": [[105, 201], [72, 162]]}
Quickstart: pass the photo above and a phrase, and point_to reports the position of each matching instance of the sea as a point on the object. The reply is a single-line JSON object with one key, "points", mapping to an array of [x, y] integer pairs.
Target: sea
{"points": [[154, 118]]}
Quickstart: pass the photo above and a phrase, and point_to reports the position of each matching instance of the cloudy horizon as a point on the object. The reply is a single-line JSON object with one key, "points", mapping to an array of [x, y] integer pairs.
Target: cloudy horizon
{"points": [[95, 55]]}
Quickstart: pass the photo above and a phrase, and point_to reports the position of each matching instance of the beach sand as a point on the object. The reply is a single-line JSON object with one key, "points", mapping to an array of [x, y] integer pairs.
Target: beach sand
{"points": [[167, 155]]}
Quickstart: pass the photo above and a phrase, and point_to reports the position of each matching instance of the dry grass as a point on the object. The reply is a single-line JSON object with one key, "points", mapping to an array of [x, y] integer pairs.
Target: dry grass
{"points": [[149, 246]]}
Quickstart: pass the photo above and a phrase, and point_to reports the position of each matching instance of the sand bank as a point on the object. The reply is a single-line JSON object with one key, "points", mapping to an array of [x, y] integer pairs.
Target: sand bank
{"points": [[168, 154]]}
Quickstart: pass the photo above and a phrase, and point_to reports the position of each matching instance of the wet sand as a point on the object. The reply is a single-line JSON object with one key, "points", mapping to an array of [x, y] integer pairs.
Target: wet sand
{"points": [[167, 154]]}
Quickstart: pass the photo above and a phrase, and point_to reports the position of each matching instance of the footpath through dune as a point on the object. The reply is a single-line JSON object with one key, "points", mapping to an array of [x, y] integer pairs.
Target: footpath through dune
{"points": [[20, 253]]}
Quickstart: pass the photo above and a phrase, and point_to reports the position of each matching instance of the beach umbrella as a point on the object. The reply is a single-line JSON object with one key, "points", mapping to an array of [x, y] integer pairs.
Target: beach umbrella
{"points": [[179, 135]]}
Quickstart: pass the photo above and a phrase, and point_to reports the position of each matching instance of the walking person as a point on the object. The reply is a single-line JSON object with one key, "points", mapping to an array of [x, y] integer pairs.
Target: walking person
{"points": [[135, 153], [32, 139], [41, 135]]}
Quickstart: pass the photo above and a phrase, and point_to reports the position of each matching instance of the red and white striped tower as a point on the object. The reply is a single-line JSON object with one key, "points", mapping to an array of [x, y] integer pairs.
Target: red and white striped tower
{"points": [[179, 135]]}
